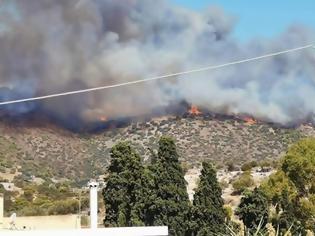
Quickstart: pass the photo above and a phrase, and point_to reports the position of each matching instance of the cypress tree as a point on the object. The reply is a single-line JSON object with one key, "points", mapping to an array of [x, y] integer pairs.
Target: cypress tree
{"points": [[122, 194], [171, 203], [208, 216]]}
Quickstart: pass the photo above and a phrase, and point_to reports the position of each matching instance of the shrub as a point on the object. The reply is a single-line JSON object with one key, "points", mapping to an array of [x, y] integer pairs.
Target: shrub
{"points": [[33, 211], [224, 184], [248, 165], [230, 166], [228, 212], [185, 166], [64, 207], [244, 182]]}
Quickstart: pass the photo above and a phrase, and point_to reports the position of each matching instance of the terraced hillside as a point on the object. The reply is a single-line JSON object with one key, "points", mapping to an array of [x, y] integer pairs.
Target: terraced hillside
{"points": [[51, 152]]}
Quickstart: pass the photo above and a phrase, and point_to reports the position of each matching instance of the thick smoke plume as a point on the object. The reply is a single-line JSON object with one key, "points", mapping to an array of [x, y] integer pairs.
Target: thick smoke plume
{"points": [[55, 46]]}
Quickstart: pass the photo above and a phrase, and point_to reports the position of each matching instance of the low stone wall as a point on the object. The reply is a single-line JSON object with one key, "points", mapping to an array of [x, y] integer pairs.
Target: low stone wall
{"points": [[45, 222]]}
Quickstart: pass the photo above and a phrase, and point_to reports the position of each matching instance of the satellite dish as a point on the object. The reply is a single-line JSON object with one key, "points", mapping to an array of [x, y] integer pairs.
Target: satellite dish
{"points": [[13, 218], [12, 221]]}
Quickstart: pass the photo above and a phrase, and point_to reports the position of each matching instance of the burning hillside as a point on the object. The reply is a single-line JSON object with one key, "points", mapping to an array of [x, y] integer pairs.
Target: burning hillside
{"points": [[250, 121]]}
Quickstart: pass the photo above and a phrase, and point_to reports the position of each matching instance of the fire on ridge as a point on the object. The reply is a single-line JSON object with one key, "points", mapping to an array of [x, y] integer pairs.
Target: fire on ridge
{"points": [[194, 110]]}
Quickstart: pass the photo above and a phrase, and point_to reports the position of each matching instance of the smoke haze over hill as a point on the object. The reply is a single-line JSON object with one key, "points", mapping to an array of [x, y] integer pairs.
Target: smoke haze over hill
{"points": [[55, 46]]}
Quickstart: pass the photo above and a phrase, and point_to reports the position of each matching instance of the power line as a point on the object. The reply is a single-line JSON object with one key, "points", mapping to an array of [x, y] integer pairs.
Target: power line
{"points": [[208, 68]]}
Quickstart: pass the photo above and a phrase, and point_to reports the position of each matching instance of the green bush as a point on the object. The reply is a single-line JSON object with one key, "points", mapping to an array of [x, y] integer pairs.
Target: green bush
{"points": [[224, 184], [230, 166], [248, 165], [33, 211], [29, 194], [64, 207], [19, 204], [244, 181], [2, 169], [228, 212]]}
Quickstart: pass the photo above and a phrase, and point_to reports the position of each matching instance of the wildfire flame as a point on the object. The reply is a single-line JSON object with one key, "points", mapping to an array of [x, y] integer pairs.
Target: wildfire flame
{"points": [[194, 110], [249, 120], [103, 118]]}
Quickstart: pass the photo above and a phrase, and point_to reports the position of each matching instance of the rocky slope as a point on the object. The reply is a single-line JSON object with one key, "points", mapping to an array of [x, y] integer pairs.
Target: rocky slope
{"points": [[51, 152]]}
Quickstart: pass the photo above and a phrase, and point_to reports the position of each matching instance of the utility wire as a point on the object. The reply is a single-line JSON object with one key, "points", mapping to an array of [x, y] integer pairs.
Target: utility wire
{"points": [[208, 68]]}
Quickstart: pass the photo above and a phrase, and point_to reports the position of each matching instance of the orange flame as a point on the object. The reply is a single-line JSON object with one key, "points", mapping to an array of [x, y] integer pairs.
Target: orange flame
{"points": [[194, 111], [103, 118], [249, 120]]}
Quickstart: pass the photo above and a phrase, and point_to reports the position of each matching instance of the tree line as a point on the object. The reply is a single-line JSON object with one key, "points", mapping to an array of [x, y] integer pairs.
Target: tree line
{"points": [[155, 194]]}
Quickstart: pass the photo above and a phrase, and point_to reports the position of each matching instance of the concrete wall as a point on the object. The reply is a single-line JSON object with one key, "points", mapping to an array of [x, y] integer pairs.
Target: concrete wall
{"points": [[135, 231], [45, 222]]}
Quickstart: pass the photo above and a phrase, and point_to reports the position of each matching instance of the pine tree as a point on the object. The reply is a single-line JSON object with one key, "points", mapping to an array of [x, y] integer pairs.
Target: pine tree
{"points": [[171, 203], [123, 191], [208, 216]]}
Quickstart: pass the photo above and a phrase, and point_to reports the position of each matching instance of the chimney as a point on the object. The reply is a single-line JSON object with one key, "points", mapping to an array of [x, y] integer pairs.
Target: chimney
{"points": [[1, 211], [93, 204]]}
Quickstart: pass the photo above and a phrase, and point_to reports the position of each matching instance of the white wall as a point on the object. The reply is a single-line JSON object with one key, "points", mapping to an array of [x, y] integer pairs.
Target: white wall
{"points": [[134, 231], [45, 222]]}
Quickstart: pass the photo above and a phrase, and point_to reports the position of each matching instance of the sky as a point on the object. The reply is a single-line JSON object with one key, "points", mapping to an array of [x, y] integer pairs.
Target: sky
{"points": [[255, 19], [263, 18]]}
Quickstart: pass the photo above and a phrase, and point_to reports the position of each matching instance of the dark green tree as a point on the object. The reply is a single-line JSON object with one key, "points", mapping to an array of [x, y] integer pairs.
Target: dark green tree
{"points": [[122, 194], [171, 203], [146, 205], [253, 209], [208, 215]]}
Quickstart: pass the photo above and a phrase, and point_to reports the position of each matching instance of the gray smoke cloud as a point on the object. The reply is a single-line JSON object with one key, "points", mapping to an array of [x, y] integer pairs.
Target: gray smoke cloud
{"points": [[55, 46]]}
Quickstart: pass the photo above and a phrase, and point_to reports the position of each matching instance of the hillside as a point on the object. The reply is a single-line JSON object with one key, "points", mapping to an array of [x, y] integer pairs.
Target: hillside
{"points": [[46, 152], [52, 152]]}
